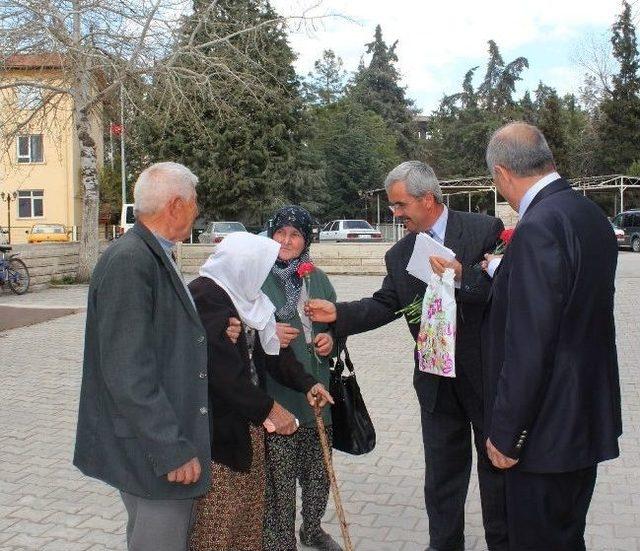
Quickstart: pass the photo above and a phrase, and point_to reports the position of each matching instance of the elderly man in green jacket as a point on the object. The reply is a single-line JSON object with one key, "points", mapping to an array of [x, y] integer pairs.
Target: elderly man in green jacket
{"points": [[143, 417]]}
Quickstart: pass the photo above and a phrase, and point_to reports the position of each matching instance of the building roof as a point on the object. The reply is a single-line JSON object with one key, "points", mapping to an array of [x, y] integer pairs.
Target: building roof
{"points": [[31, 61]]}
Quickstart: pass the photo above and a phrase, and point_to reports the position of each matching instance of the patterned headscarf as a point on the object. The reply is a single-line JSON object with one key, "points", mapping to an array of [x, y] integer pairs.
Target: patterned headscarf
{"points": [[286, 271]]}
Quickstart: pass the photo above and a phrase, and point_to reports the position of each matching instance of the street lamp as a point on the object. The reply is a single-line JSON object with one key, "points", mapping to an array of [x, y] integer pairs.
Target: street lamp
{"points": [[8, 197]]}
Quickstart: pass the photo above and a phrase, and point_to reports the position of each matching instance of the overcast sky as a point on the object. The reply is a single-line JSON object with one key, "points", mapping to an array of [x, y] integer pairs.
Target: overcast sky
{"points": [[439, 41]]}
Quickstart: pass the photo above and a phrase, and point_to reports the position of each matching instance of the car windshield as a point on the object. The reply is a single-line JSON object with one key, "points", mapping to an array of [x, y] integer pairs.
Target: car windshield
{"points": [[48, 229], [228, 227], [356, 225]]}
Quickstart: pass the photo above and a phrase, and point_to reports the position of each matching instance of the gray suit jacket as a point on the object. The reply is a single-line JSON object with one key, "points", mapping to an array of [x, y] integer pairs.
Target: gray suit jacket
{"points": [[143, 404], [469, 235]]}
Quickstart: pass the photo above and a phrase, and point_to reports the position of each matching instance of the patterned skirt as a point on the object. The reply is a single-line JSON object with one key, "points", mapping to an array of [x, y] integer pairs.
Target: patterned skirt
{"points": [[230, 515]]}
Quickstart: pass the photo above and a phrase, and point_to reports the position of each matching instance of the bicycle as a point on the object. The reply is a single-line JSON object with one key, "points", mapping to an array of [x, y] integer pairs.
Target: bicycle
{"points": [[13, 272]]}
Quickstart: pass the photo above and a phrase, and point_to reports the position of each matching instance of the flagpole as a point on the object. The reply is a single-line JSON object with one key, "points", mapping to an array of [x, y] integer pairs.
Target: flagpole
{"points": [[122, 159]]}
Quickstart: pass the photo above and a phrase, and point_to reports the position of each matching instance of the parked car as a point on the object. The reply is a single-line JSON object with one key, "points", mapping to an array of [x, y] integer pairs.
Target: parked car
{"points": [[629, 223], [48, 233], [217, 231], [349, 230], [127, 219], [4, 236], [619, 234]]}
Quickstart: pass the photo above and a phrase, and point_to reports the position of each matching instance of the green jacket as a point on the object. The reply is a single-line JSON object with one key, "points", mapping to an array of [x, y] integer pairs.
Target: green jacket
{"points": [[296, 402]]}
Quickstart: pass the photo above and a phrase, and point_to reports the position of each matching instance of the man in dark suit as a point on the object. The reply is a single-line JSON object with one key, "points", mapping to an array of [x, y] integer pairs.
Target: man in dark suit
{"points": [[143, 416], [450, 408], [552, 391]]}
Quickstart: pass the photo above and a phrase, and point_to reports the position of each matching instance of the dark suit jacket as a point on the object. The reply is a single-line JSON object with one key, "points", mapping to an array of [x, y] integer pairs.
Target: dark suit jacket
{"points": [[469, 235], [235, 401], [143, 406], [551, 369]]}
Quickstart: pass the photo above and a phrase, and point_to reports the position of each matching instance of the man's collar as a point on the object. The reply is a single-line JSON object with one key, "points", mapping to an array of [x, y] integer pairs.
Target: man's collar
{"points": [[439, 227], [166, 245], [534, 190]]}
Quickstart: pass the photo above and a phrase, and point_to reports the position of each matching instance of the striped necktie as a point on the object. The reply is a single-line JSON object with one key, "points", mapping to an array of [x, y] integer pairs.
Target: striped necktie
{"points": [[433, 235]]}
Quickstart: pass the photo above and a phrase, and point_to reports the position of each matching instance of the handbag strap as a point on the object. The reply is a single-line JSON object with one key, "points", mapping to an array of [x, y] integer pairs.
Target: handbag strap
{"points": [[341, 349]]}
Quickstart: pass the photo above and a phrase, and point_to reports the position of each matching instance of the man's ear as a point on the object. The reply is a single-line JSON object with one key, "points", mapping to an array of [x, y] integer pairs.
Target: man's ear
{"points": [[173, 206]]}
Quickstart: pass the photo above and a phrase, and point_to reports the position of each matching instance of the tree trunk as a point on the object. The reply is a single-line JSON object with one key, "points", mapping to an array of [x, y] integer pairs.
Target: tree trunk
{"points": [[89, 242]]}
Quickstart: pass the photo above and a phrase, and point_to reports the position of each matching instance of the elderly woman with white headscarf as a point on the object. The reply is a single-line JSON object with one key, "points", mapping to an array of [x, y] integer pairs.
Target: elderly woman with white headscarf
{"points": [[230, 515]]}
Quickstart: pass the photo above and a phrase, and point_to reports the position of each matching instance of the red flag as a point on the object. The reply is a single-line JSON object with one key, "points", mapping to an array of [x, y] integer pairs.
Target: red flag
{"points": [[116, 129]]}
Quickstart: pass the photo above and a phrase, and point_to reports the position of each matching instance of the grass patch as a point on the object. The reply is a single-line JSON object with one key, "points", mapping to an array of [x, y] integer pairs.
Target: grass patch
{"points": [[64, 280]]}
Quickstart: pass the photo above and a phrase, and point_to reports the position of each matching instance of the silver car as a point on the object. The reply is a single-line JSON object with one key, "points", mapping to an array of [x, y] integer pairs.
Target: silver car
{"points": [[217, 231]]}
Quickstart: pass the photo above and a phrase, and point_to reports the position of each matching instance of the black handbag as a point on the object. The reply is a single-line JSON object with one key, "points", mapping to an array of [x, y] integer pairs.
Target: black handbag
{"points": [[353, 431]]}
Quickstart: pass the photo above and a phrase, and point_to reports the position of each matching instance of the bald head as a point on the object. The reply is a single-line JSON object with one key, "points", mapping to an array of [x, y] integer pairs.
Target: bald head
{"points": [[520, 148]]}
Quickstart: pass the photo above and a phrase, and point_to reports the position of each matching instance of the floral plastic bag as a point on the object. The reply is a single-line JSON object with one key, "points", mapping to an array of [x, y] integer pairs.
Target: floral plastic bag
{"points": [[436, 343]]}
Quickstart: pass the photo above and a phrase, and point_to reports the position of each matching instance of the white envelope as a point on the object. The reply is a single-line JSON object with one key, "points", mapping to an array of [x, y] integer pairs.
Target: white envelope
{"points": [[426, 246]]}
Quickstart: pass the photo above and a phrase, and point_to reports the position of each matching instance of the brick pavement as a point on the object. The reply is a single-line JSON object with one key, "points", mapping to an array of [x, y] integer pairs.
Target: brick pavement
{"points": [[45, 504]]}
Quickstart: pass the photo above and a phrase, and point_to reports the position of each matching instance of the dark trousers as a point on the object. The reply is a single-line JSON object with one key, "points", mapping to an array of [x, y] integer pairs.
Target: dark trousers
{"points": [[447, 438], [547, 512], [289, 459]]}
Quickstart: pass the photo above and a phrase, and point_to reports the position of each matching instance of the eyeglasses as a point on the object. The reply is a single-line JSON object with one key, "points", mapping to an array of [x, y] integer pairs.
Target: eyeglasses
{"points": [[394, 207]]}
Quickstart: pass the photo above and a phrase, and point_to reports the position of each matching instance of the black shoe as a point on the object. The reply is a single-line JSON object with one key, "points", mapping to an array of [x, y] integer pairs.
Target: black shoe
{"points": [[320, 540]]}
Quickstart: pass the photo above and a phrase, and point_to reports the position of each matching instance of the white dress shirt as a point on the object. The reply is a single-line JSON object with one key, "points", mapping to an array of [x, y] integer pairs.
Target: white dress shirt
{"points": [[439, 230]]}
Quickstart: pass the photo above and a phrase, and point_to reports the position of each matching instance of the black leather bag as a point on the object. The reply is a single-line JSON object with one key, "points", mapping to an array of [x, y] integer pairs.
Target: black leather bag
{"points": [[353, 431]]}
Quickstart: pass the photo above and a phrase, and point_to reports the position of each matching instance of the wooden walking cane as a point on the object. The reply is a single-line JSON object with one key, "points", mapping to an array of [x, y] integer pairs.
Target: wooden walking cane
{"points": [[326, 454]]}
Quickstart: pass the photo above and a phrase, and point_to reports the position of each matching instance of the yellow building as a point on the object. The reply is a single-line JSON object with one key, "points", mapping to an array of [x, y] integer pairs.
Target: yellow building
{"points": [[39, 167]]}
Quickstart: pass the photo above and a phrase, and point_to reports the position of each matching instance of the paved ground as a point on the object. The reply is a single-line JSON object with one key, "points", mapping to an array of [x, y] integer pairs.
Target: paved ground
{"points": [[46, 504]]}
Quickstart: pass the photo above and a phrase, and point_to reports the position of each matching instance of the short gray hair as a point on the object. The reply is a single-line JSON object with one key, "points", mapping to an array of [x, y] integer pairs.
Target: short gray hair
{"points": [[419, 178], [521, 148], [160, 183]]}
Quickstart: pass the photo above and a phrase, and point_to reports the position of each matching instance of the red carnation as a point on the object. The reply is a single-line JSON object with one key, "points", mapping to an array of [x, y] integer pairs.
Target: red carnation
{"points": [[505, 238], [306, 269], [507, 235]]}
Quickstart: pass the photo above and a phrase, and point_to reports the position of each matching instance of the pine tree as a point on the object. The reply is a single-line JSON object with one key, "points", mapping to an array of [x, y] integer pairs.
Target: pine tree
{"points": [[326, 84], [619, 129], [376, 87], [550, 122], [358, 151], [250, 158], [500, 80]]}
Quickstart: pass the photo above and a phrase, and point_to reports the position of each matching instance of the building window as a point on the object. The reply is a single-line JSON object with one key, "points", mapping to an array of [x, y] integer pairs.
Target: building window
{"points": [[31, 203], [29, 97], [30, 149]]}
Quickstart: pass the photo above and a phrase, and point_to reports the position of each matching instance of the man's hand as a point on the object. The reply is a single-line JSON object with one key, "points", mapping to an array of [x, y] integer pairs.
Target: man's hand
{"points": [[497, 458], [286, 334], [189, 473], [320, 310], [281, 420], [234, 329], [324, 344], [439, 265], [319, 395], [488, 258]]}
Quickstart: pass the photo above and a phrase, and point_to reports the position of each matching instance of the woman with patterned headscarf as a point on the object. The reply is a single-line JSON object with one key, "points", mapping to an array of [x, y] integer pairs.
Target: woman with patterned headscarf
{"points": [[297, 458]]}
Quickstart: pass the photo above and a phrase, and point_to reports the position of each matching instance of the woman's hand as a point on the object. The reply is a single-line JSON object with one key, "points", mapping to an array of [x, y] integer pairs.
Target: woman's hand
{"points": [[286, 334], [280, 421], [234, 329], [323, 343], [318, 395]]}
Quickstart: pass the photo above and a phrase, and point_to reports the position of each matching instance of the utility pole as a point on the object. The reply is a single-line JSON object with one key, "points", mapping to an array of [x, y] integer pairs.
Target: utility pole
{"points": [[122, 160]]}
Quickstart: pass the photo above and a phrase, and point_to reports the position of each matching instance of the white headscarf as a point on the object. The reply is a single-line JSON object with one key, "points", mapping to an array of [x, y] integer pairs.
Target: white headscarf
{"points": [[240, 264]]}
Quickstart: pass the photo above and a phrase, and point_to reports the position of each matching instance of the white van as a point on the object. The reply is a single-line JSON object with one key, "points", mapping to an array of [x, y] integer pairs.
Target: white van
{"points": [[127, 218]]}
